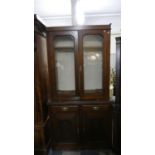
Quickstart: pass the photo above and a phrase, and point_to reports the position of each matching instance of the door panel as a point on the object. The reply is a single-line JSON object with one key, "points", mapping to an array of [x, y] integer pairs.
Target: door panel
{"points": [[65, 124], [97, 125]]}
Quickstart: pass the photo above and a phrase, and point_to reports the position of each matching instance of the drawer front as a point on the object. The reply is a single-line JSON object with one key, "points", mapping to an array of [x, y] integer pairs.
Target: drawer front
{"points": [[66, 108], [95, 108]]}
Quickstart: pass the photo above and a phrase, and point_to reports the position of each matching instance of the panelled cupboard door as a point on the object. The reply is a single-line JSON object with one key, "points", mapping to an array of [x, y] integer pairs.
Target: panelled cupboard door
{"points": [[63, 62], [97, 125], [65, 125], [94, 63]]}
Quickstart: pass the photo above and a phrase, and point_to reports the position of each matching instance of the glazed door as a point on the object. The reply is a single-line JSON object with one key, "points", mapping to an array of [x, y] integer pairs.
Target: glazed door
{"points": [[63, 61], [94, 64]]}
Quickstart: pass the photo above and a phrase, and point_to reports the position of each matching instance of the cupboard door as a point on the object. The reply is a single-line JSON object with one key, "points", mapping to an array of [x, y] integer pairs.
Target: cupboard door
{"points": [[97, 125], [94, 64], [63, 61], [65, 125]]}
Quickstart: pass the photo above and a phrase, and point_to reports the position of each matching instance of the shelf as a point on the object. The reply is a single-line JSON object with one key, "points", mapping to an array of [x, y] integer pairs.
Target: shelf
{"points": [[92, 49], [62, 49]]}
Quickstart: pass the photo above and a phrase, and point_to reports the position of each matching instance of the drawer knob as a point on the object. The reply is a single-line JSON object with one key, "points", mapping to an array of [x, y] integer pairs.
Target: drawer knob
{"points": [[64, 108], [95, 108]]}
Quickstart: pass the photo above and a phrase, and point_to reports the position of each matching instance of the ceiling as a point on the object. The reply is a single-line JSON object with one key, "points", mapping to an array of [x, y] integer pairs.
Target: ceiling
{"points": [[58, 8]]}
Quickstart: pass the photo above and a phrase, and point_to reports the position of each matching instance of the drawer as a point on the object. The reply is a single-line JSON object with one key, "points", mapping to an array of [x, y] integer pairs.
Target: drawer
{"points": [[65, 108], [96, 107]]}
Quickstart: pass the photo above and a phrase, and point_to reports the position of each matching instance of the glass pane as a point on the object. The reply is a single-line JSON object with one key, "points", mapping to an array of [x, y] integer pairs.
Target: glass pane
{"points": [[65, 65], [93, 47]]}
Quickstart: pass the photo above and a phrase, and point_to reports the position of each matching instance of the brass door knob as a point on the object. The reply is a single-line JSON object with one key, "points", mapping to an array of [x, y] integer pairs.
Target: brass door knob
{"points": [[64, 108], [96, 108]]}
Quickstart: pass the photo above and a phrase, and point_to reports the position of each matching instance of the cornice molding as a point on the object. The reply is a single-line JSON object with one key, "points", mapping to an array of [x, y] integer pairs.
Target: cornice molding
{"points": [[86, 15], [96, 19]]}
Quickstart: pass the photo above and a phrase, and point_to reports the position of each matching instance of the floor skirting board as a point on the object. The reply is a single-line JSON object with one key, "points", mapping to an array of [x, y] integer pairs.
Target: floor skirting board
{"points": [[82, 152]]}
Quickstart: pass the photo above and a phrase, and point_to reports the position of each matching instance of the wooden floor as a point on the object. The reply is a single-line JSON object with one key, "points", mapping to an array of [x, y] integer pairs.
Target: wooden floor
{"points": [[82, 152]]}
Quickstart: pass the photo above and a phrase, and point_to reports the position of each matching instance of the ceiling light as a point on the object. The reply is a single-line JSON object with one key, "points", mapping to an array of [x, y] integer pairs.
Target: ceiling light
{"points": [[79, 13]]}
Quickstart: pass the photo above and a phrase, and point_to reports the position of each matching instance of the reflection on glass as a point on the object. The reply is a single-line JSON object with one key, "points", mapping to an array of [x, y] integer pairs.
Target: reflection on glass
{"points": [[65, 68], [93, 47], [112, 75]]}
